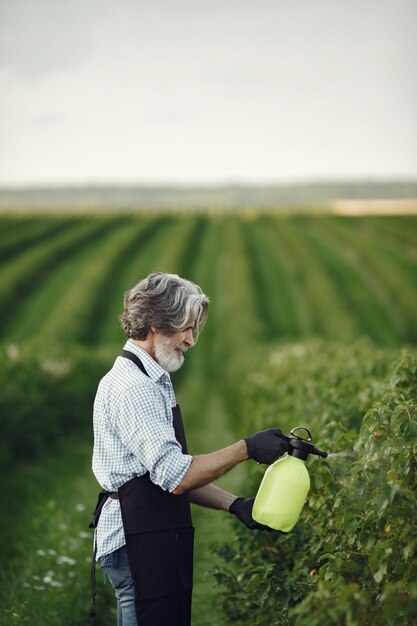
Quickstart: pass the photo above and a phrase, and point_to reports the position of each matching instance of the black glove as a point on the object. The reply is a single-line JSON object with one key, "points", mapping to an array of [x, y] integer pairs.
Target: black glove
{"points": [[267, 445], [242, 508]]}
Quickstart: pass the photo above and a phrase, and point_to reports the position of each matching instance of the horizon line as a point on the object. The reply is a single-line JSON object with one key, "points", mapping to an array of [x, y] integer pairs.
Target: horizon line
{"points": [[208, 184]]}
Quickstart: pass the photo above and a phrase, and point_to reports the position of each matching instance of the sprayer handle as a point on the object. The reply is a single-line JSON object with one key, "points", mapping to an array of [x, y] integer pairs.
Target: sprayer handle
{"points": [[294, 430]]}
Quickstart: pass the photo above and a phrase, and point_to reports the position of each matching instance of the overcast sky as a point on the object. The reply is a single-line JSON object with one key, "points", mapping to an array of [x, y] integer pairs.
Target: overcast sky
{"points": [[223, 91]]}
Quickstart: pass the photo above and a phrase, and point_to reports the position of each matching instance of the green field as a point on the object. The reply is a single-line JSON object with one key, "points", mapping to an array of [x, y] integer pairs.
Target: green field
{"points": [[332, 299]]}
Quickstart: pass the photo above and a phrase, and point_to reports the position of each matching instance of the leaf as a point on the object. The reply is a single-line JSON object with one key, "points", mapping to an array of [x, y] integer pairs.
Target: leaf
{"points": [[380, 573]]}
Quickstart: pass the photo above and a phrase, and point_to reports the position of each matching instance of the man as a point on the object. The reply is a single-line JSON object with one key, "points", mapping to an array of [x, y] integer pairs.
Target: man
{"points": [[144, 534]]}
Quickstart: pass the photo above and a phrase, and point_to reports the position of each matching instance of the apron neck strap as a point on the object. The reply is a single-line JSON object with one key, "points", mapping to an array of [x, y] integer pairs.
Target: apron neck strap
{"points": [[126, 354]]}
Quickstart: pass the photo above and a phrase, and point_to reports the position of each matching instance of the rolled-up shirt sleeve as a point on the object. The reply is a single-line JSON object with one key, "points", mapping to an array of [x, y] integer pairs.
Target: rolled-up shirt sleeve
{"points": [[144, 425]]}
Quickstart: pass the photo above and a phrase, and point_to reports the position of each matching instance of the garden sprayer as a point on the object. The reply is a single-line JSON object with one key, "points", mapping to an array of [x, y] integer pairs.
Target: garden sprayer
{"points": [[285, 485]]}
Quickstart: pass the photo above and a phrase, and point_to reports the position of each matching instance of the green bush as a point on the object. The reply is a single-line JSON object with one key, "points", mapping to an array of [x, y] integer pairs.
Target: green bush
{"points": [[43, 398], [351, 558]]}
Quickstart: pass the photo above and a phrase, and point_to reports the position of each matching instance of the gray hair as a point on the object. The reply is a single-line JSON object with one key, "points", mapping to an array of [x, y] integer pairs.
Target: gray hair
{"points": [[165, 301]]}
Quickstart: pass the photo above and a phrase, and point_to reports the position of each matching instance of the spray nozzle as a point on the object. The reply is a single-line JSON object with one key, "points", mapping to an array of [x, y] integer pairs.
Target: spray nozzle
{"points": [[300, 447]]}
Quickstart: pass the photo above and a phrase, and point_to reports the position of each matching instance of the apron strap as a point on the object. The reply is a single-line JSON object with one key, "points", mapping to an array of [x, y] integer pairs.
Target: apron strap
{"points": [[102, 498], [126, 354], [92, 611]]}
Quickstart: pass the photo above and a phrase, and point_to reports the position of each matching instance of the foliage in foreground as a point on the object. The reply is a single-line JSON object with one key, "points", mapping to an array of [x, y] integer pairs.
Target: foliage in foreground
{"points": [[45, 398], [351, 560], [46, 544]]}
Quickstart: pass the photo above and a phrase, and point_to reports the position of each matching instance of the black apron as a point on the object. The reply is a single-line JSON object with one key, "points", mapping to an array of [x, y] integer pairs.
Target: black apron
{"points": [[159, 540]]}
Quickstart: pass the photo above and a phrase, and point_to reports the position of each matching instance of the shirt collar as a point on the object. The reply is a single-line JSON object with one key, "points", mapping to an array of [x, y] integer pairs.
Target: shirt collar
{"points": [[153, 368]]}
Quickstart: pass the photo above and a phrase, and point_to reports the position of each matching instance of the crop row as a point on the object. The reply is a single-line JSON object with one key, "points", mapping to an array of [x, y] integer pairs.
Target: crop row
{"points": [[16, 235], [350, 560], [368, 284], [21, 274], [300, 276]]}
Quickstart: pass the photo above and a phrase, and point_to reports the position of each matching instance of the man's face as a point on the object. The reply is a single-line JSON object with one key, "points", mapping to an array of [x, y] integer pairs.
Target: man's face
{"points": [[169, 349]]}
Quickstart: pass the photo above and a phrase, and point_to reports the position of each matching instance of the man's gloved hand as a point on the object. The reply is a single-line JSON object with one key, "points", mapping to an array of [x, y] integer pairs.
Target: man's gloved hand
{"points": [[242, 508], [267, 445]]}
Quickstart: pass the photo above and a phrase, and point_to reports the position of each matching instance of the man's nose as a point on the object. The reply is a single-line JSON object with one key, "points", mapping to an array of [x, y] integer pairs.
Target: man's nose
{"points": [[189, 339]]}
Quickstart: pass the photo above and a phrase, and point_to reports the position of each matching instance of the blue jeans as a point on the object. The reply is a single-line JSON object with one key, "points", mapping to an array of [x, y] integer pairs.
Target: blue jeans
{"points": [[117, 570]]}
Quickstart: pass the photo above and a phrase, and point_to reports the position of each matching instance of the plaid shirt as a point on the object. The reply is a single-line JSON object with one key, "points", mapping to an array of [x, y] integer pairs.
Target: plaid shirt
{"points": [[133, 434]]}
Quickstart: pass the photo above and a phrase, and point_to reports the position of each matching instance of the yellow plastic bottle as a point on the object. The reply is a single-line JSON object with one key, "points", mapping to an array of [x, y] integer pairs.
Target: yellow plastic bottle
{"points": [[285, 486]]}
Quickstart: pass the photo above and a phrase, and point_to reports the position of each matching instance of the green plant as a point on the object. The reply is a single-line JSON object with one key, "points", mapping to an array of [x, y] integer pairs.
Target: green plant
{"points": [[351, 558]]}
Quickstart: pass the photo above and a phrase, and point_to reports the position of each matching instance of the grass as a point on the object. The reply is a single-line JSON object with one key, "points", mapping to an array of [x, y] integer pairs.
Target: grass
{"points": [[47, 548], [208, 429]]}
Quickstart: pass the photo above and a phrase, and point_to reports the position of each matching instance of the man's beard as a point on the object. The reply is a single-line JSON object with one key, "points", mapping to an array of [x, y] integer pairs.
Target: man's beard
{"points": [[170, 358]]}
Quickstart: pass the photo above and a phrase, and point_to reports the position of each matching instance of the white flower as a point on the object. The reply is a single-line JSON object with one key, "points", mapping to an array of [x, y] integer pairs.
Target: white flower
{"points": [[56, 368], [53, 552], [13, 351], [298, 351], [284, 353], [258, 378], [80, 507], [41, 552], [84, 534], [61, 560]]}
